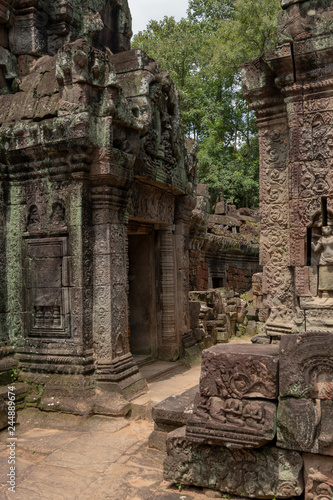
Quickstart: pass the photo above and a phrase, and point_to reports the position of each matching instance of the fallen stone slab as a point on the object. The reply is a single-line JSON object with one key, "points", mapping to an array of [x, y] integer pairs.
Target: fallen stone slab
{"points": [[170, 414], [266, 473], [175, 410]]}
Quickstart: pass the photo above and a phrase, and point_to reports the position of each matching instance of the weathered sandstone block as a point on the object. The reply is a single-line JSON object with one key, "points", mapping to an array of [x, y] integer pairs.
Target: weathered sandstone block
{"points": [[237, 371], [305, 425], [306, 366], [265, 473], [234, 423]]}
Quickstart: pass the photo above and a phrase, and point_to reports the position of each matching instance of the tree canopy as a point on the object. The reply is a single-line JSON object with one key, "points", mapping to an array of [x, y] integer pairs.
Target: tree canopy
{"points": [[203, 53]]}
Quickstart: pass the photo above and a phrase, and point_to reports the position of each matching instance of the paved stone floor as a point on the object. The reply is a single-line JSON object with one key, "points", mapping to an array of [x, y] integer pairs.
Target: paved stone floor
{"points": [[67, 457]]}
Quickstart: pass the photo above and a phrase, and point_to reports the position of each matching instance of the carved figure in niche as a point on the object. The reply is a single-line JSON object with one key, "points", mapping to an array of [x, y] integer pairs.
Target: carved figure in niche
{"points": [[203, 408], [33, 217], [323, 385], [325, 246], [58, 214], [216, 408]]}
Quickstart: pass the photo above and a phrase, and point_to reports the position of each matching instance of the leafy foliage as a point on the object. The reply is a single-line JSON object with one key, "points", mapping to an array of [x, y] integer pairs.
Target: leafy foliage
{"points": [[203, 53]]}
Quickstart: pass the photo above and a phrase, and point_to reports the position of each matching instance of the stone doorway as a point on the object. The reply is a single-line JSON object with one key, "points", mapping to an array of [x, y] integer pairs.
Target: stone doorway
{"points": [[143, 297]]}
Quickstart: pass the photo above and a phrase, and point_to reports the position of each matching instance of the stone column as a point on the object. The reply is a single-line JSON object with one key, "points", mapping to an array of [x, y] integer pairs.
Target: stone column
{"points": [[116, 369], [169, 341], [182, 227]]}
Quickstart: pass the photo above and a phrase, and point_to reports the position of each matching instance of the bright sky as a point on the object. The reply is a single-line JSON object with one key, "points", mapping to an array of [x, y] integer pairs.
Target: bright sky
{"points": [[145, 10]]}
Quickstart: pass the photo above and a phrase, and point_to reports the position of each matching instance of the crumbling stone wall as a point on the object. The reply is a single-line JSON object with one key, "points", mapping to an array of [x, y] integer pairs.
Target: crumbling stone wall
{"points": [[223, 246], [261, 425]]}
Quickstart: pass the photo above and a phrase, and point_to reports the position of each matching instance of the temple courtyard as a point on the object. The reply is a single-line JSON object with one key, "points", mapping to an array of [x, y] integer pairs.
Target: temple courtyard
{"points": [[65, 457]]}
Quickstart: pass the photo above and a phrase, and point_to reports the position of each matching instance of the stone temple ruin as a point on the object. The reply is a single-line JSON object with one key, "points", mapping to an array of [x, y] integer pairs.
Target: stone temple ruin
{"points": [[262, 423], [95, 202], [96, 198]]}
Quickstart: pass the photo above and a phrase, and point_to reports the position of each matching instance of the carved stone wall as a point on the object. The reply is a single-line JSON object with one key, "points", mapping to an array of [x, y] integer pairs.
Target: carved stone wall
{"points": [[91, 138], [262, 420], [290, 89]]}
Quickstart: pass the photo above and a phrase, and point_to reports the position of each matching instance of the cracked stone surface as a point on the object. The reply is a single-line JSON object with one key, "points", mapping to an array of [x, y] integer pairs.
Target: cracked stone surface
{"points": [[68, 457]]}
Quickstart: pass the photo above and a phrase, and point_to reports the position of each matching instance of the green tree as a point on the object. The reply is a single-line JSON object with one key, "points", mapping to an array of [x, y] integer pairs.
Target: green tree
{"points": [[203, 54]]}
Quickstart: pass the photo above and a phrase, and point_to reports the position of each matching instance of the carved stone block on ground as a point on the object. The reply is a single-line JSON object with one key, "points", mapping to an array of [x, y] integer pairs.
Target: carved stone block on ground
{"points": [[318, 476], [306, 366], [240, 371], [265, 473], [234, 423], [175, 410], [305, 425]]}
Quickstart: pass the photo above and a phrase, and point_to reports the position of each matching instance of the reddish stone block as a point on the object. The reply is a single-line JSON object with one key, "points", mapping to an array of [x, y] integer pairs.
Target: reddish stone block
{"points": [[306, 366], [265, 473], [235, 423], [305, 425], [240, 371], [318, 476]]}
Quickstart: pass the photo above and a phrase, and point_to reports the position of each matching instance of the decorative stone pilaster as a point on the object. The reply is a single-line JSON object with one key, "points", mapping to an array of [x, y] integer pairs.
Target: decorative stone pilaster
{"points": [[116, 369], [169, 341], [183, 215]]}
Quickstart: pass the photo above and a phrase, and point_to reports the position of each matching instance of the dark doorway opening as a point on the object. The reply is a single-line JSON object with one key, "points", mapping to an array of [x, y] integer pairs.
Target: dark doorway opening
{"points": [[217, 282], [142, 294]]}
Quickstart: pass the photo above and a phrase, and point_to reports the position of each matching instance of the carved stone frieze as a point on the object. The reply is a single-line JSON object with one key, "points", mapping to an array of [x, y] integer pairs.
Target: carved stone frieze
{"points": [[151, 204], [244, 371], [274, 247], [274, 185], [232, 422], [302, 282], [265, 473], [274, 216], [312, 177], [272, 147]]}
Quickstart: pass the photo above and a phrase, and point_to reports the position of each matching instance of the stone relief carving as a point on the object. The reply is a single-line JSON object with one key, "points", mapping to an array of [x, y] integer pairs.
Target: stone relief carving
{"points": [[232, 374], [232, 422], [263, 473], [47, 285], [33, 222], [318, 477], [324, 248], [151, 204], [58, 214], [273, 149]]}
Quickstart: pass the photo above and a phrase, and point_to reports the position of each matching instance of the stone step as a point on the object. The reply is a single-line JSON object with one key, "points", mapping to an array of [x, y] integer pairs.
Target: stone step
{"points": [[159, 369]]}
